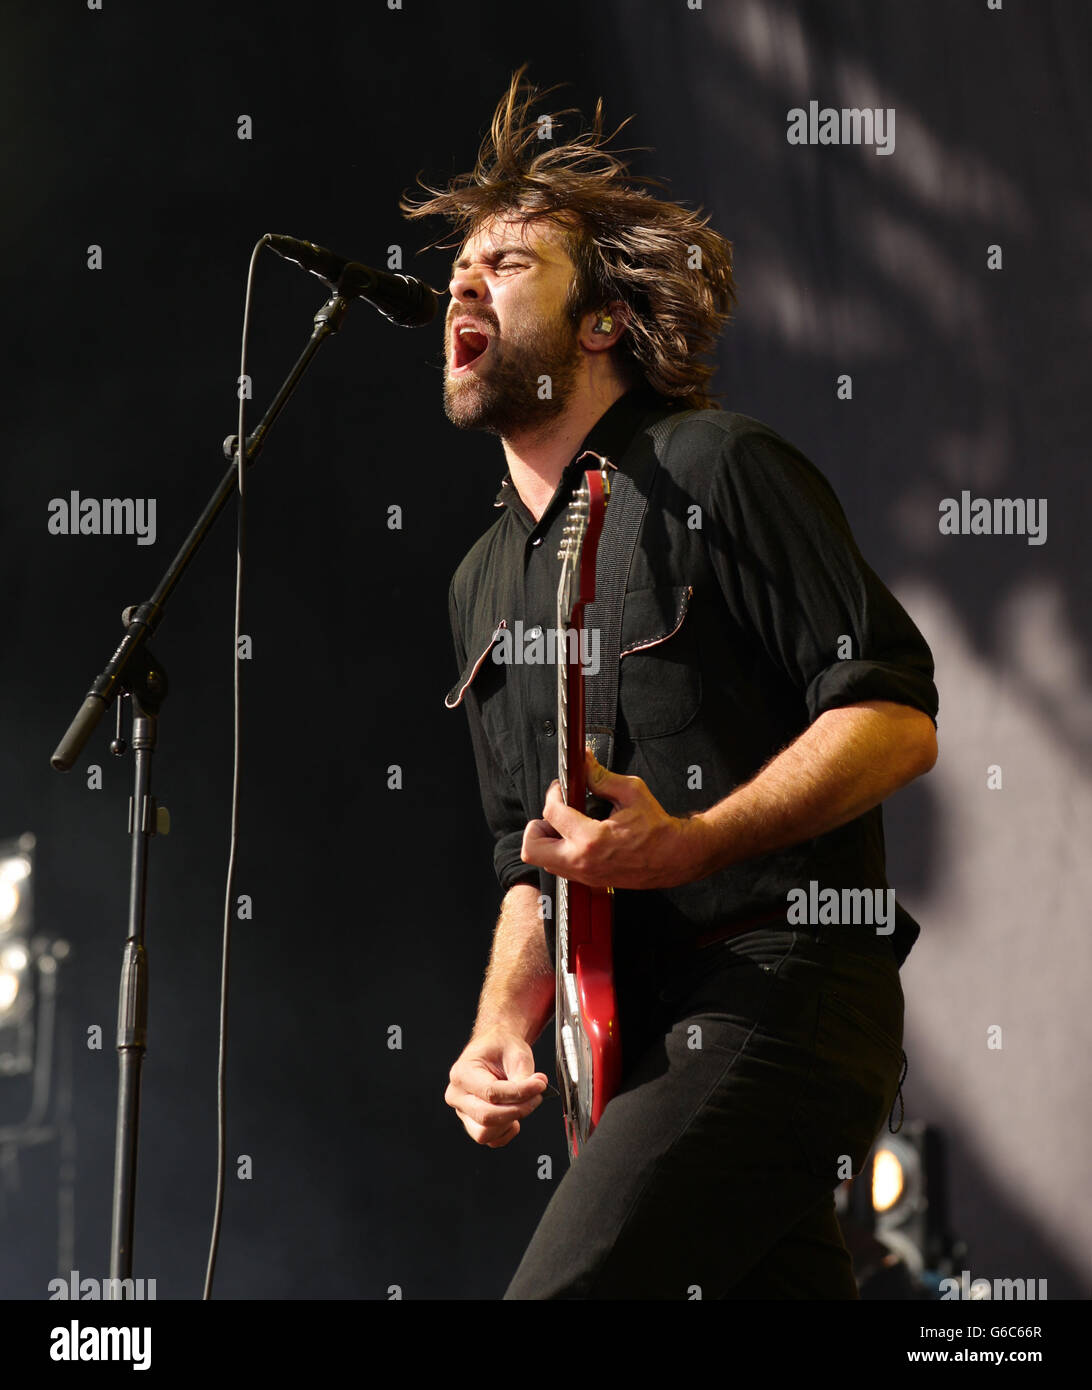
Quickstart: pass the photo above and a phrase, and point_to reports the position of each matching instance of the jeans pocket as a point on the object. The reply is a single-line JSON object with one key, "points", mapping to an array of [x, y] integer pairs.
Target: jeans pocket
{"points": [[737, 969], [852, 1086]]}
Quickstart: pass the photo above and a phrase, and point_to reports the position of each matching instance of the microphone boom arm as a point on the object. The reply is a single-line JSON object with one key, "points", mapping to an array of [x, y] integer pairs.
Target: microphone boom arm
{"points": [[142, 621]]}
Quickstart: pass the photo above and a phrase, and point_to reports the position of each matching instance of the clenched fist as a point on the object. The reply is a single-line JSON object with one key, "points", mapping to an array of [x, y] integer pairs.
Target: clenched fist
{"points": [[494, 1085]]}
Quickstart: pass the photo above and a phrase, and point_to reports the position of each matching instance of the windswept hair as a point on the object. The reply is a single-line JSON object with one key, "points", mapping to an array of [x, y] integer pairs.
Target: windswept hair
{"points": [[663, 261]]}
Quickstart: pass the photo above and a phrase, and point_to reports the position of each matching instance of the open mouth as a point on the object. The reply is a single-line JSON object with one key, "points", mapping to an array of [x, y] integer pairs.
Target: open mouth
{"points": [[469, 346]]}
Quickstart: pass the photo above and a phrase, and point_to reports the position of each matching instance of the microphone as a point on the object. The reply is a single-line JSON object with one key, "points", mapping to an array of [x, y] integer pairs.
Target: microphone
{"points": [[405, 301]]}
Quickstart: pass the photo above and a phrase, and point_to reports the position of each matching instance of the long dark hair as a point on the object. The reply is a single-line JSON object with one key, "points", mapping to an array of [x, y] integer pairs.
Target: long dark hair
{"points": [[663, 261]]}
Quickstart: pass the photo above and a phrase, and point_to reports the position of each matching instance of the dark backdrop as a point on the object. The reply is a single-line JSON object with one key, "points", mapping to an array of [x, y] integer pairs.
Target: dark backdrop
{"points": [[374, 907]]}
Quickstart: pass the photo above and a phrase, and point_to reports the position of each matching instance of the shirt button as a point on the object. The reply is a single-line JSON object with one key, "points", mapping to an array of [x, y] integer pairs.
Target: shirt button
{"points": [[548, 728], [537, 540]]}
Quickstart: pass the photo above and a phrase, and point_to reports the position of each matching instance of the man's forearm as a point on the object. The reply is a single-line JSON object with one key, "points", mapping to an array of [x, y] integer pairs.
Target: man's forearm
{"points": [[518, 993], [845, 763]]}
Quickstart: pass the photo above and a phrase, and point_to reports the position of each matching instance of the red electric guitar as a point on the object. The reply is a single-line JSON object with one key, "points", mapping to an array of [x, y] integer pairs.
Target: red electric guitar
{"points": [[589, 1057]]}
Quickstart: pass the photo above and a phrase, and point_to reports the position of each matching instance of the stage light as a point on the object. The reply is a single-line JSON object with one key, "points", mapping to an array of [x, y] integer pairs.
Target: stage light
{"points": [[16, 866], [9, 991], [905, 1190], [895, 1219], [14, 958], [13, 964], [9, 903], [888, 1184], [18, 956], [13, 870], [898, 1185]]}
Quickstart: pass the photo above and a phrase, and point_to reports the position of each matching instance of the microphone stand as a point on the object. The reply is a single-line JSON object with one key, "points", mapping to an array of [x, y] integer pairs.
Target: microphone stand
{"points": [[134, 671]]}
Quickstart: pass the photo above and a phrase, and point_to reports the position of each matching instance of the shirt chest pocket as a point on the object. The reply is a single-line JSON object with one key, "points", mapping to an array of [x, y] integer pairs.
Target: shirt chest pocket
{"points": [[659, 680], [483, 681]]}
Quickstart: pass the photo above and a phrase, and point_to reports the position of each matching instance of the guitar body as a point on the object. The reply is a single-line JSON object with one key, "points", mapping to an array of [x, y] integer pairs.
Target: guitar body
{"points": [[589, 1055]]}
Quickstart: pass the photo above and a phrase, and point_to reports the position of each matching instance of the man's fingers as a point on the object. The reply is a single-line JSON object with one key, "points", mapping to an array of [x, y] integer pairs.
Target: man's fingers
{"points": [[479, 1080], [491, 1107], [540, 830], [486, 1114], [493, 1086], [489, 1139], [611, 786], [539, 847], [559, 822], [491, 1127], [505, 1138], [566, 820]]}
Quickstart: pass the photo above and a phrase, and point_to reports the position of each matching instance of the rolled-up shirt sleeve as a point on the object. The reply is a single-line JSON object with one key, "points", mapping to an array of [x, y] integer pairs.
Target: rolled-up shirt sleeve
{"points": [[501, 802], [788, 565]]}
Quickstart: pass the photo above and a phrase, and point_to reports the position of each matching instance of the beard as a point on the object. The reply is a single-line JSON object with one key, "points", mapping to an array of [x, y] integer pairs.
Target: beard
{"points": [[504, 398]]}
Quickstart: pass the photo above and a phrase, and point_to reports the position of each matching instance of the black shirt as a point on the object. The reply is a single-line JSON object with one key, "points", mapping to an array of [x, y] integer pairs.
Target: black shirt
{"points": [[749, 611]]}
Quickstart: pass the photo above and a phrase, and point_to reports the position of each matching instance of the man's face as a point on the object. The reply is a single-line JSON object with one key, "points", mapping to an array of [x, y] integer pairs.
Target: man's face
{"points": [[509, 284]]}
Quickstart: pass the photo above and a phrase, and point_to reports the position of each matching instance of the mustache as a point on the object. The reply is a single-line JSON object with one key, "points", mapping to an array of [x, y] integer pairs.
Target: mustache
{"points": [[474, 318]]}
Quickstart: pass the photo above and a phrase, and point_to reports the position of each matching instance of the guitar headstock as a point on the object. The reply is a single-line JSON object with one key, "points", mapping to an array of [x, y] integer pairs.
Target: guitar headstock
{"points": [[580, 538]]}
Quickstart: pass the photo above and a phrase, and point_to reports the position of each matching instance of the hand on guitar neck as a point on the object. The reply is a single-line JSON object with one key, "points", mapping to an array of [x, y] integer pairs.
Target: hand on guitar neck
{"points": [[638, 846]]}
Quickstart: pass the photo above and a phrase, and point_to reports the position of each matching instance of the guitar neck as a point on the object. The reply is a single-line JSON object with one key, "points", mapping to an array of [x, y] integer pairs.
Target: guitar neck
{"points": [[570, 712], [576, 590]]}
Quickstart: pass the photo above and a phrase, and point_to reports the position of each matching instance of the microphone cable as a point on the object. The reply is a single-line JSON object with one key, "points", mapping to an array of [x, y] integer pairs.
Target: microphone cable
{"points": [[229, 888]]}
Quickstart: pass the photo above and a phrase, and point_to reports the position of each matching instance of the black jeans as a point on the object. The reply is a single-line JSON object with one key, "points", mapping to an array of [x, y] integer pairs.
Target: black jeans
{"points": [[757, 1074]]}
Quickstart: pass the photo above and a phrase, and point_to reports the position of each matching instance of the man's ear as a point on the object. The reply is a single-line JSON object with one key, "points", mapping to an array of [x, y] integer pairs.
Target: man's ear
{"points": [[615, 316]]}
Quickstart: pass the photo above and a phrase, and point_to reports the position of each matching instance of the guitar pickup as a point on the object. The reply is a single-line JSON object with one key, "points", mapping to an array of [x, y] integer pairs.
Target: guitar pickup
{"points": [[568, 1045]]}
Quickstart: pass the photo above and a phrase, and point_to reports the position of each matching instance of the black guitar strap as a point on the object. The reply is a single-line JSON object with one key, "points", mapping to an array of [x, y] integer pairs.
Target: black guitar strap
{"points": [[626, 507]]}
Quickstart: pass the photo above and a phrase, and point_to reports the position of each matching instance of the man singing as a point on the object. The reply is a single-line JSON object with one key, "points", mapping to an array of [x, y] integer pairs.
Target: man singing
{"points": [[772, 692]]}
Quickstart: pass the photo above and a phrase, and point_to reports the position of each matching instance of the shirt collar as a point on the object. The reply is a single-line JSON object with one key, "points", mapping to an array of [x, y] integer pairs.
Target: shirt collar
{"points": [[610, 437]]}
